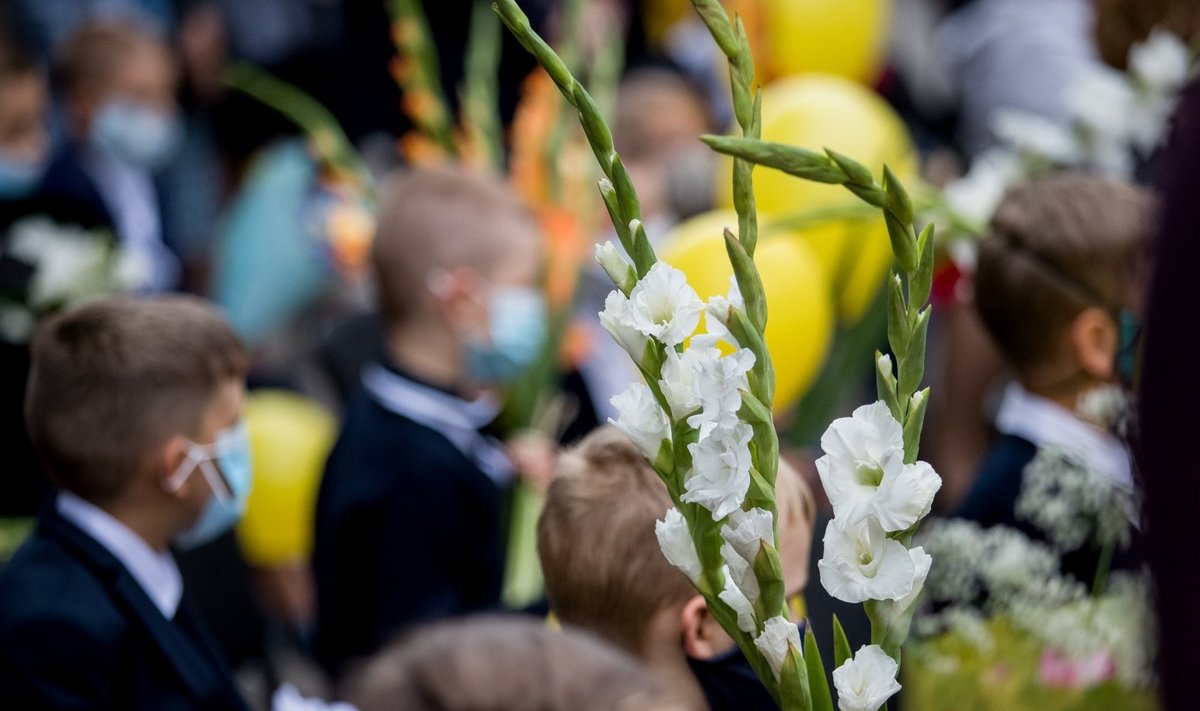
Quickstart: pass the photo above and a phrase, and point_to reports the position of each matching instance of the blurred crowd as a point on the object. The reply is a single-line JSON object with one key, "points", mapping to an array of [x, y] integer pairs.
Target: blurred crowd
{"points": [[385, 323]]}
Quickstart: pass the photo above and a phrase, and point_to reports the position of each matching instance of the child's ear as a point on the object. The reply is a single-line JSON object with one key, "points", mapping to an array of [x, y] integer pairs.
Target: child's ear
{"points": [[166, 464], [1095, 338], [703, 637]]}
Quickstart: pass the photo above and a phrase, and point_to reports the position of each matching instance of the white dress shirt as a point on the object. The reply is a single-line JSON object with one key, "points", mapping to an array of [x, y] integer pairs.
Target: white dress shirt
{"points": [[1048, 424], [156, 572]]}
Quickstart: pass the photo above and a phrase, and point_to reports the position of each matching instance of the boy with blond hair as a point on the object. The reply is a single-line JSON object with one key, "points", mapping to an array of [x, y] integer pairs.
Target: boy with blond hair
{"points": [[605, 573], [409, 515], [134, 408], [1059, 288]]}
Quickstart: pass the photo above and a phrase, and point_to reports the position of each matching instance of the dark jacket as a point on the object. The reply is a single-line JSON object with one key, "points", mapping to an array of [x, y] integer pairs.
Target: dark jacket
{"points": [[408, 529], [78, 632]]}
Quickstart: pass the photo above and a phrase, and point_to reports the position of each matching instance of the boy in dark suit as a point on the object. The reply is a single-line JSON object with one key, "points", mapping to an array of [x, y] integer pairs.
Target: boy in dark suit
{"points": [[134, 408], [1058, 283], [122, 123], [408, 524]]}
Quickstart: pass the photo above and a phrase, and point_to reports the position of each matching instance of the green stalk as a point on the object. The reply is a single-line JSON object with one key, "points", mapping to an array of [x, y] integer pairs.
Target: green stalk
{"points": [[480, 100], [414, 40], [617, 187]]}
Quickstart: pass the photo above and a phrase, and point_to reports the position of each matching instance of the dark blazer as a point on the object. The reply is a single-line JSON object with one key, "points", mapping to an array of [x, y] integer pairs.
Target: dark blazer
{"points": [[408, 529], [67, 188], [78, 632]]}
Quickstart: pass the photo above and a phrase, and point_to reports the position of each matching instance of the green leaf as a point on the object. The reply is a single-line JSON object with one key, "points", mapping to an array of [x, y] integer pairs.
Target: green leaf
{"points": [[897, 319], [898, 202], [913, 369], [818, 685], [792, 160], [841, 645], [793, 681], [858, 173], [920, 283], [904, 242], [914, 422], [748, 281]]}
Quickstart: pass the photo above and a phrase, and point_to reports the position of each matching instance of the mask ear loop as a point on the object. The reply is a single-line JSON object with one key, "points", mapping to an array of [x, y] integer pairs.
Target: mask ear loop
{"points": [[216, 482], [185, 469]]}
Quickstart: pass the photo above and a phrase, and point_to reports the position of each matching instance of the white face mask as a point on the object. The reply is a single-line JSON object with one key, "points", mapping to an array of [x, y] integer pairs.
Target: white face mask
{"points": [[137, 134]]}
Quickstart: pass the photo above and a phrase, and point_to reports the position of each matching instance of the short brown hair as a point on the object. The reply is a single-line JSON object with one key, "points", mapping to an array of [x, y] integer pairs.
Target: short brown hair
{"points": [[113, 379], [441, 218], [600, 557], [1058, 246], [90, 55], [502, 663]]}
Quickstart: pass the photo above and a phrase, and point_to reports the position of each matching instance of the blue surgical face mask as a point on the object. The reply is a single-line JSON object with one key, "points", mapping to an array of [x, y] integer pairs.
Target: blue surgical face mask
{"points": [[137, 134], [1127, 351], [517, 331], [230, 484], [19, 178]]}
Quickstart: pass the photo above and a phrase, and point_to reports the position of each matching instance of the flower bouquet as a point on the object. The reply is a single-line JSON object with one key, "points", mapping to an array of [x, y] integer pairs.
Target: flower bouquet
{"points": [[702, 416]]}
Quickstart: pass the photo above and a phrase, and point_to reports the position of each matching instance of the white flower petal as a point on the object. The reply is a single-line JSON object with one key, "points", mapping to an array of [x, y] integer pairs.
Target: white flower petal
{"points": [[779, 635], [738, 602], [677, 546], [664, 306], [719, 381], [720, 475], [617, 319], [641, 419], [906, 496], [867, 680], [861, 563]]}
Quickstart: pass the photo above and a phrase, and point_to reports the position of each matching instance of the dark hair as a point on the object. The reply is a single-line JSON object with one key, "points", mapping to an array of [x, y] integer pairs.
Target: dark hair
{"points": [[113, 379]]}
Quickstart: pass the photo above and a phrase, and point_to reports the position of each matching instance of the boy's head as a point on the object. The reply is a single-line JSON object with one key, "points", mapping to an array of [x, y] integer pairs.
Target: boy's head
{"points": [[603, 567], [493, 662], [24, 141], [457, 258], [1064, 265], [118, 83], [121, 390]]}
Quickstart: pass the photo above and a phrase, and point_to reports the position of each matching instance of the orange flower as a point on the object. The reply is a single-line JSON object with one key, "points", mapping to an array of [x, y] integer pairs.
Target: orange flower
{"points": [[403, 69], [532, 123], [418, 149], [566, 248]]}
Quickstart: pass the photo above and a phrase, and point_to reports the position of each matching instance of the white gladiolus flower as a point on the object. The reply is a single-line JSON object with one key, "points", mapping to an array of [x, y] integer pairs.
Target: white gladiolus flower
{"points": [[1101, 100], [617, 319], [739, 603], [677, 546], [717, 313], [614, 264], [744, 535], [664, 306], [720, 475], [641, 419], [922, 562], [16, 323], [861, 563], [679, 375], [1160, 62], [868, 680], [748, 530], [779, 635], [719, 382], [864, 473]]}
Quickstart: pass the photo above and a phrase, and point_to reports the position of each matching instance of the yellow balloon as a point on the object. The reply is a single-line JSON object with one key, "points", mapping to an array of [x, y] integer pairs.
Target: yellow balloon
{"points": [[815, 112], [800, 318], [290, 437], [842, 37]]}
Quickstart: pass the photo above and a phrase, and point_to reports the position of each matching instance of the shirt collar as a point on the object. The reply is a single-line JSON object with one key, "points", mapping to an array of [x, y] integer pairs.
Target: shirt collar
{"points": [[1048, 424], [457, 419], [155, 572]]}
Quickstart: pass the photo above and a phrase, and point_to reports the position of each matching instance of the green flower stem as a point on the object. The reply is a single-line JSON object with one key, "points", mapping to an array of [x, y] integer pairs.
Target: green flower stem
{"points": [[617, 189], [480, 101], [414, 40], [329, 141]]}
